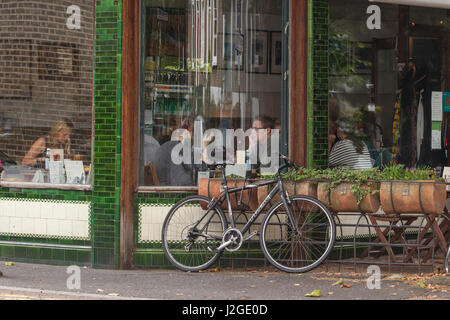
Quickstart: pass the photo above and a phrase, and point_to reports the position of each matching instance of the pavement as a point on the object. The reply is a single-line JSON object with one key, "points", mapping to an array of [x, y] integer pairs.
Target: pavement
{"points": [[23, 281]]}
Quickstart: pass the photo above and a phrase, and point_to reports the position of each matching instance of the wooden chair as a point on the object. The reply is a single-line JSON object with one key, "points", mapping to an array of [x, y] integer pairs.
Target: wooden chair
{"points": [[150, 176]]}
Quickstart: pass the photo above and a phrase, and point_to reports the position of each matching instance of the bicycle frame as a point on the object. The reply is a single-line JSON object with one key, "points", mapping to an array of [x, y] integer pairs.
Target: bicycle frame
{"points": [[225, 195]]}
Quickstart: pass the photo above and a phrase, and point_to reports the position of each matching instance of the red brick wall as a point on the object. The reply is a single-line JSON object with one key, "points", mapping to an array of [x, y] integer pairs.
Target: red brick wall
{"points": [[46, 72]]}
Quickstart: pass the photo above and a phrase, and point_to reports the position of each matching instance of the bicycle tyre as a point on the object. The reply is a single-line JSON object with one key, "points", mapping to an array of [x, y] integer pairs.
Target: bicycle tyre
{"points": [[297, 253], [175, 234]]}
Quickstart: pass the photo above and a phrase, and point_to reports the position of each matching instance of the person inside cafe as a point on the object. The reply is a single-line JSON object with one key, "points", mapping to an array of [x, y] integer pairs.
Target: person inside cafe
{"points": [[350, 150], [58, 138], [169, 173]]}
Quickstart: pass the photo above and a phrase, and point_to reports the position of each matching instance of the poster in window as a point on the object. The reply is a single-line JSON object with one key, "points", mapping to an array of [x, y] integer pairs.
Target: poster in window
{"points": [[276, 57], [259, 51]]}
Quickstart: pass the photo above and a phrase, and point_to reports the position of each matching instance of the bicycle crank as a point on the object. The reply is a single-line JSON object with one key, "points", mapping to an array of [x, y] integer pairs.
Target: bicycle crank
{"points": [[234, 239]]}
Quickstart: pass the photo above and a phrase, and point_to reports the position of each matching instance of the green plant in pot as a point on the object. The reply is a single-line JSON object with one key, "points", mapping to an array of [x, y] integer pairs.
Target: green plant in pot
{"points": [[302, 181], [346, 190], [412, 190]]}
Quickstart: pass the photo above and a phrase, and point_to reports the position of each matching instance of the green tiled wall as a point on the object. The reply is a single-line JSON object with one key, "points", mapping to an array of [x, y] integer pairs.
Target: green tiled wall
{"points": [[107, 133], [318, 83]]}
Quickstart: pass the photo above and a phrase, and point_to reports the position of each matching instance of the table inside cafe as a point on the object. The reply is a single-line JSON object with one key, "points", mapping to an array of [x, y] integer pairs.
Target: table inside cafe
{"points": [[58, 172]]}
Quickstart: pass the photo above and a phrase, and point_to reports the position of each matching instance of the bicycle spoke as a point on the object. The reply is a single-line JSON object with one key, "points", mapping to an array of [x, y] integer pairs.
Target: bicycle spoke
{"points": [[191, 233], [302, 251]]}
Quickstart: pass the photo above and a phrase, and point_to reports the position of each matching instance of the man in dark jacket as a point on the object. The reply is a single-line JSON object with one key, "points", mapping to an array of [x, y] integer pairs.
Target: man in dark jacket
{"points": [[169, 173]]}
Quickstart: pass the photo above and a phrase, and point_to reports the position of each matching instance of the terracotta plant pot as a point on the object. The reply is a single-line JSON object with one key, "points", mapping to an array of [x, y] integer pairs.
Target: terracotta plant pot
{"points": [[413, 197], [342, 199], [304, 188], [213, 187]]}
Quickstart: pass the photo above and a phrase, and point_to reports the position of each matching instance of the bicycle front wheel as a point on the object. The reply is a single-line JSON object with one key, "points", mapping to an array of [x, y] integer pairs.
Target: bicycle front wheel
{"points": [[190, 234], [305, 249]]}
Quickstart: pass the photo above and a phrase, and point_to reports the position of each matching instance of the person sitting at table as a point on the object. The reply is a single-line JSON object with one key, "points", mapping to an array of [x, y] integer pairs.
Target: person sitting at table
{"points": [[58, 138], [350, 151]]}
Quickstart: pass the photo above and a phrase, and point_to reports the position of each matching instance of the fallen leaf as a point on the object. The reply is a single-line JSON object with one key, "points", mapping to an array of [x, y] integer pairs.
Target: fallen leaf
{"points": [[339, 282], [100, 290], [296, 284], [421, 284], [113, 294], [315, 294], [330, 293], [9, 264], [346, 285], [217, 269]]}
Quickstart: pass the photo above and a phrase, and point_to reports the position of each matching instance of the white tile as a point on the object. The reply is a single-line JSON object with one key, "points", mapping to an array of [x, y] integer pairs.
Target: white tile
{"points": [[66, 228], [80, 229], [28, 225], [52, 227], [7, 209], [4, 224], [34, 210], [45, 210], [15, 225], [40, 227]]}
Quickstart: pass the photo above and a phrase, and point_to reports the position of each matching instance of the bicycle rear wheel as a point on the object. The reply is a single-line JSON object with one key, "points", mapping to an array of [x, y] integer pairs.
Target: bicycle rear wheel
{"points": [[190, 233], [304, 251]]}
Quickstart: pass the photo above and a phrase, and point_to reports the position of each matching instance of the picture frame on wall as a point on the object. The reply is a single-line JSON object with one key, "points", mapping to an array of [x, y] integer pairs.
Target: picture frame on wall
{"points": [[259, 51], [276, 52], [231, 51]]}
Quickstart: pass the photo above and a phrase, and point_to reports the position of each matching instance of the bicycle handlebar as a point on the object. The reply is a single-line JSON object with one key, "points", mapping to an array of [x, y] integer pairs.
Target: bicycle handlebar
{"points": [[288, 164]]}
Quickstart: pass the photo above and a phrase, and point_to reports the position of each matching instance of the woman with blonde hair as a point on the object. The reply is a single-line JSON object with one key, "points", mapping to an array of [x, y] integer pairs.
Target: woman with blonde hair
{"points": [[58, 138]]}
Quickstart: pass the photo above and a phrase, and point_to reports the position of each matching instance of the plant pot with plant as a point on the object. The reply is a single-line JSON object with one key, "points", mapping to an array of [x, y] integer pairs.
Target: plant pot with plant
{"points": [[345, 190], [412, 190], [302, 181]]}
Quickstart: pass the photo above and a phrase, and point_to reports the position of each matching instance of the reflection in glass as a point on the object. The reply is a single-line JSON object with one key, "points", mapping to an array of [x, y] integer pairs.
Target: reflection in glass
{"points": [[206, 66]]}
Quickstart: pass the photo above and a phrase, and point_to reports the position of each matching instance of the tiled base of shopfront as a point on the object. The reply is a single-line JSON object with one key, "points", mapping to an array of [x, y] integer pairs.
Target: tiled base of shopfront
{"points": [[45, 226], [55, 227], [353, 239]]}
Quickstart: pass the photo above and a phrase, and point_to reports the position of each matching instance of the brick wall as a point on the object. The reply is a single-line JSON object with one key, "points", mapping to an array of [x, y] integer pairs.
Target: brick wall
{"points": [[47, 72]]}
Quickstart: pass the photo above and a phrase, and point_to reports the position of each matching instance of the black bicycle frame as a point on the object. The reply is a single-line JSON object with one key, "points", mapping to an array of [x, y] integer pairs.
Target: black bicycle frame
{"points": [[278, 188]]}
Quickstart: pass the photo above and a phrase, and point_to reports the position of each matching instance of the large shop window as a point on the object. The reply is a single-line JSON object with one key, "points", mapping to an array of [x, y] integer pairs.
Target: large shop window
{"points": [[207, 65], [46, 85], [388, 78]]}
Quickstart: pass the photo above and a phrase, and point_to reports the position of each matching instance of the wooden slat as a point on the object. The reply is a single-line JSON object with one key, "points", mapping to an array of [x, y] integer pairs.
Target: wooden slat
{"points": [[298, 106], [130, 129]]}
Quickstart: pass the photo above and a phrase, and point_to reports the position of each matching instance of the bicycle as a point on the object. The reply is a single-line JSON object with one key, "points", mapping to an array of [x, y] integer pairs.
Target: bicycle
{"points": [[296, 235]]}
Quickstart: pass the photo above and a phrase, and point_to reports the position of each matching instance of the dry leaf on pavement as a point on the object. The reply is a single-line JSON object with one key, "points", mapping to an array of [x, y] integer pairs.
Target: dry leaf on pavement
{"points": [[315, 294]]}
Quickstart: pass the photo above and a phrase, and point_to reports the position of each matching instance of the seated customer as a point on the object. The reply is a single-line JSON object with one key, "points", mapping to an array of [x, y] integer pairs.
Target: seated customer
{"points": [[58, 138], [169, 173], [350, 151]]}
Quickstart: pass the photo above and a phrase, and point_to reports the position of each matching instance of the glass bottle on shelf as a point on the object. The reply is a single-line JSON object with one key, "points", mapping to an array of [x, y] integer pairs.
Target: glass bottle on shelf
{"points": [[47, 159]]}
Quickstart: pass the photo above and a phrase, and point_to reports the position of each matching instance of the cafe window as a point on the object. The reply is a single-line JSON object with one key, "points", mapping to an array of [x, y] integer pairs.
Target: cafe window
{"points": [[388, 74], [206, 64], [46, 90]]}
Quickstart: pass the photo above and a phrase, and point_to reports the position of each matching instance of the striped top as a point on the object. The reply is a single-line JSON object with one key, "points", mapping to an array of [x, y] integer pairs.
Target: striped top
{"points": [[344, 154]]}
